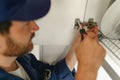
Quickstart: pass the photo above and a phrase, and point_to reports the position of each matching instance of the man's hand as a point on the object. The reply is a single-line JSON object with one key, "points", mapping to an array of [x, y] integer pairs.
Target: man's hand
{"points": [[90, 55]]}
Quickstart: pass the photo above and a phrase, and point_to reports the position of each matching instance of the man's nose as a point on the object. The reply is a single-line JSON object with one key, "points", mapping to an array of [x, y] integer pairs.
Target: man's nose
{"points": [[34, 26]]}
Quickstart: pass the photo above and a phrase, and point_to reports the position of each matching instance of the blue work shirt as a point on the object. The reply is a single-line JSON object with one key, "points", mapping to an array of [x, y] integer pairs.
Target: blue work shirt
{"points": [[36, 69]]}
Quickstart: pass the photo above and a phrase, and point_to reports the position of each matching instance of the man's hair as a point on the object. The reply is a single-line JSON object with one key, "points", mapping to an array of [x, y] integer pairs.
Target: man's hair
{"points": [[4, 27]]}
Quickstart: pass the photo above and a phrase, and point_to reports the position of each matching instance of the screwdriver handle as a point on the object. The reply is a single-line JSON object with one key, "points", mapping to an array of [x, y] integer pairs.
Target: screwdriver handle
{"points": [[82, 32]]}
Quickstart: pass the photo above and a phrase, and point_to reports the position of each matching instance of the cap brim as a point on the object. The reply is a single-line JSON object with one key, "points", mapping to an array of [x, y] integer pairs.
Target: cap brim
{"points": [[31, 10]]}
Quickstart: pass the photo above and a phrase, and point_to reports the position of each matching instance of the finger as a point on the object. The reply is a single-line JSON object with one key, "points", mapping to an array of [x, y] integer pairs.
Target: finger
{"points": [[91, 35], [95, 30]]}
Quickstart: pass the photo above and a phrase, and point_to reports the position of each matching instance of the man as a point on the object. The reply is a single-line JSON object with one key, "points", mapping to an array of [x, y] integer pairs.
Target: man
{"points": [[17, 29]]}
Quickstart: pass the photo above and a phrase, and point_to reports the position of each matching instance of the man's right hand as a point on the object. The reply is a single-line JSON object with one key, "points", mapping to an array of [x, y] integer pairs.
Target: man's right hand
{"points": [[90, 55]]}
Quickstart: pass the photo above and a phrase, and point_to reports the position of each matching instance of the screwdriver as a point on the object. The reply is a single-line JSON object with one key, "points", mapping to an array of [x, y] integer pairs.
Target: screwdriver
{"points": [[82, 30]]}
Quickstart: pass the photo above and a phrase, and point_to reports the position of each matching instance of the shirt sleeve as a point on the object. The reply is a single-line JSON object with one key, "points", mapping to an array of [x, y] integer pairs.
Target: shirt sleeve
{"points": [[61, 72]]}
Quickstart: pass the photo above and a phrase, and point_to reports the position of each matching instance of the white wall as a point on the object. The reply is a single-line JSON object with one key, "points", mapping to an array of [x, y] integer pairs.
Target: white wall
{"points": [[57, 27], [96, 9]]}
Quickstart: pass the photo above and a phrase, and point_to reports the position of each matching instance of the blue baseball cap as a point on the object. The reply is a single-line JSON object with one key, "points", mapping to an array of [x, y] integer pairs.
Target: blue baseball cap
{"points": [[23, 10]]}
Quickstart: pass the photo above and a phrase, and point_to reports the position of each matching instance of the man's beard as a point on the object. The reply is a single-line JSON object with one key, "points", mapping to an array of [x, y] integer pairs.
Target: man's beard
{"points": [[16, 49]]}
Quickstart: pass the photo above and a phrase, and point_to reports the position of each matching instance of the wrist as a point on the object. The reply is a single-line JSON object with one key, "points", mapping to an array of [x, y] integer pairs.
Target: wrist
{"points": [[86, 73], [88, 65]]}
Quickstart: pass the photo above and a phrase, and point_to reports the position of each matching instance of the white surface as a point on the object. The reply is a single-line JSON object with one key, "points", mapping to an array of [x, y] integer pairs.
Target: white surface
{"points": [[114, 66], [36, 51], [110, 25], [102, 75], [96, 9], [114, 46], [111, 58], [57, 27]]}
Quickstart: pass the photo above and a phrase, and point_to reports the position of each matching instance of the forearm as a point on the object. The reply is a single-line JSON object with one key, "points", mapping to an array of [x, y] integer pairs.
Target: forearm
{"points": [[71, 59], [86, 73]]}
